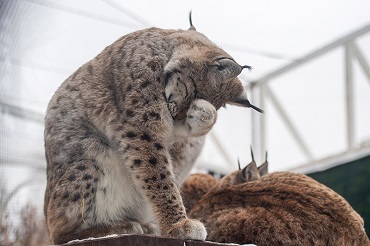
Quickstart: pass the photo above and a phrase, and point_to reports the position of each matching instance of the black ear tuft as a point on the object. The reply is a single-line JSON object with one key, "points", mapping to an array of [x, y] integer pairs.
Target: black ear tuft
{"points": [[191, 22]]}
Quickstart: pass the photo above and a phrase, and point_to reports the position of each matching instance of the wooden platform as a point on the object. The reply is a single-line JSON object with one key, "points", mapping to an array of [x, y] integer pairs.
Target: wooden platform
{"points": [[141, 240]]}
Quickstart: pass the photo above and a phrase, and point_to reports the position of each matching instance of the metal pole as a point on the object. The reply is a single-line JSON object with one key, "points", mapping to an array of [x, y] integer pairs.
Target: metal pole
{"points": [[349, 95]]}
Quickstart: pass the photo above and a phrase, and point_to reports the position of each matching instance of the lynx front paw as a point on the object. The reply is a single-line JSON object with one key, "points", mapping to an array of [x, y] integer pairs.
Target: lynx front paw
{"points": [[188, 229], [200, 118]]}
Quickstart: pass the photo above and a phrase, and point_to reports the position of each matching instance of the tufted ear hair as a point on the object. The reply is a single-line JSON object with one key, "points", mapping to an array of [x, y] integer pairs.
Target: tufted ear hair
{"points": [[250, 172], [191, 23]]}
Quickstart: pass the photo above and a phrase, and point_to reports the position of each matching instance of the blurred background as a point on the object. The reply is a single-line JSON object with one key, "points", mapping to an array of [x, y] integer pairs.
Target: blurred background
{"points": [[311, 75]]}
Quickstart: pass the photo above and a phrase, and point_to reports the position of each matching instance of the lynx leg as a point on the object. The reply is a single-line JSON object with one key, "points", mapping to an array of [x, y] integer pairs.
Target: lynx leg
{"points": [[154, 177]]}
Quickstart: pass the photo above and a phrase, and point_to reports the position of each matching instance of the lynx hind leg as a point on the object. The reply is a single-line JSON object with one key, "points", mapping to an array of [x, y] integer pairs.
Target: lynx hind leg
{"points": [[200, 118]]}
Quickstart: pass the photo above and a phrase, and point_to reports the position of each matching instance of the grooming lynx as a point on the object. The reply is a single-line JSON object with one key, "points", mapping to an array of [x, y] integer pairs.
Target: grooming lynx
{"points": [[280, 208], [123, 131]]}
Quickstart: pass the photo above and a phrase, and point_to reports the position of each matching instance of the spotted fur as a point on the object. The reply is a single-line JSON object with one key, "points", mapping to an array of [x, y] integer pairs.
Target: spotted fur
{"points": [[123, 131]]}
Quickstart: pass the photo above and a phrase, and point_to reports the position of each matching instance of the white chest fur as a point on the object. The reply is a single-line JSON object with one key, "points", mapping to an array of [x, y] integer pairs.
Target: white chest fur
{"points": [[117, 197]]}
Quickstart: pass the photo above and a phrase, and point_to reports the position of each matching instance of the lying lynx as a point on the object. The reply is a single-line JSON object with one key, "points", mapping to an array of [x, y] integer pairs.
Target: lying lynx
{"points": [[280, 208], [123, 131]]}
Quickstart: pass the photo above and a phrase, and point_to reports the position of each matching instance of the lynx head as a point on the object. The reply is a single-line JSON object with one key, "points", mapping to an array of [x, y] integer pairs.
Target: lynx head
{"points": [[198, 69]]}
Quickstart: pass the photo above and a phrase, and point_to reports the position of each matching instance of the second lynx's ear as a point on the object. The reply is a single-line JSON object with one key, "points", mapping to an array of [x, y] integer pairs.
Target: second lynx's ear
{"points": [[250, 172], [263, 169]]}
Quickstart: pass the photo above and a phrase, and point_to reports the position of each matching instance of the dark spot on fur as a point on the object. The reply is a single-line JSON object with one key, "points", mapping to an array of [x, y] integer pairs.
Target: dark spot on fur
{"points": [[92, 190], [137, 177], [137, 162], [145, 84], [153, 65], [65, 195], [76, 197], [146, 137], [158, 146], [129, 113], [154, 115], [131, 135], [72, 177], [154, 178], [145, 117], [88, 186], [87, 177], [134, 101], [96, 180], [81, 167], [153, 161], [86, 195], [129, 88], [163, 176], [165, 187], [148, 187]]}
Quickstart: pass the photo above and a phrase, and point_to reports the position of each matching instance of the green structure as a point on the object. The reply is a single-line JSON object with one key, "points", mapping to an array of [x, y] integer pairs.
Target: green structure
{"points": [[352, 181]]}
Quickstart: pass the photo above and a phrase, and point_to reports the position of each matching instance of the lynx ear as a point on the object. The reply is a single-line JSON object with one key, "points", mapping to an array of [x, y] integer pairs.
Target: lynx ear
{"points": [[227, 68], [250, 172], [263, 169], [191, 23]]}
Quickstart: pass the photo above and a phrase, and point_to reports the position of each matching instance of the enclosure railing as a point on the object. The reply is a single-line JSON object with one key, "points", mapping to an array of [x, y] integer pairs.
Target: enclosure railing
{"points": [[261, 91]]}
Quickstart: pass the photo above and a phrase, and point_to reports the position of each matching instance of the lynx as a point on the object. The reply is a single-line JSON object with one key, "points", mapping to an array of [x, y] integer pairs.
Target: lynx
{"points": [[280, 208], [123, 131]]}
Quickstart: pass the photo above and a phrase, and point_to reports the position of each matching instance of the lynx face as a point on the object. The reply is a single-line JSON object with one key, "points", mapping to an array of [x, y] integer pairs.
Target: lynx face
{"points": [[202, 72]]}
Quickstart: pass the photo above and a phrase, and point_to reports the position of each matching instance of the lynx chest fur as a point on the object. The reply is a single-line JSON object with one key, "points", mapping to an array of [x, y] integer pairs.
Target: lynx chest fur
{"points": [[123, 131]]}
